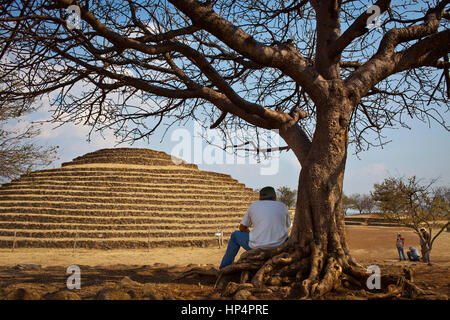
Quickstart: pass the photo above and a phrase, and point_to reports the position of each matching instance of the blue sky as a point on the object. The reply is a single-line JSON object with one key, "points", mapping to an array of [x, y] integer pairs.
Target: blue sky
{"points": [[422, 151]]}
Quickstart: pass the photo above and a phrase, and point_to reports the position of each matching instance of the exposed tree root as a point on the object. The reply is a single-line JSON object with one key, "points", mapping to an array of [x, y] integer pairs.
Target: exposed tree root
{"points": [[198, 271], [308, 273]]}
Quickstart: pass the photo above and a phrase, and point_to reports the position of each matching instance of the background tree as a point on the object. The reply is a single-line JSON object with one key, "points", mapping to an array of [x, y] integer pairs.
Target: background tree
{"points": [[347, 203], [287, 196], [367, 204], [19, 154], [361, 202], [442, 192], [316, 71], [409, 203]]}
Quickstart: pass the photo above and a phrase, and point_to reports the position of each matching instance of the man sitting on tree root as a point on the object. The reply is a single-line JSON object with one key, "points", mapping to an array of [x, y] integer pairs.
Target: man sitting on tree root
{"points": [[270, 221]]}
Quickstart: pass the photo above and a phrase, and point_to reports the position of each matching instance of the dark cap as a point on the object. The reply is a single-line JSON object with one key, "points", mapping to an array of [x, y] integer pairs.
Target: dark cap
{"points": [[267, 193]]}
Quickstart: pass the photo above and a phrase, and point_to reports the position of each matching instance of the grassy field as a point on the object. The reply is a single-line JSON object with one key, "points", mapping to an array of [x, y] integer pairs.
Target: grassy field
{"points": [[367, 244]]}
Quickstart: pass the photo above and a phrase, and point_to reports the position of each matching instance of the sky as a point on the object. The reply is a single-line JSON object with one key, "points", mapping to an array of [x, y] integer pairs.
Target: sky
{"points": [[423, 151]]}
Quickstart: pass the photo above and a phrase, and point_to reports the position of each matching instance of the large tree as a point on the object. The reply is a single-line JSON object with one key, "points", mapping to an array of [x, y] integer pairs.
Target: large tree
{"points": [[316, 71]]}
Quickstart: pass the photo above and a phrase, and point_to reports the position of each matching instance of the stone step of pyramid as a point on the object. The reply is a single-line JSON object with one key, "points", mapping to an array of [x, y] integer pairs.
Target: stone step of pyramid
{"points": [[150, 224], [113, 154], [96, 171], [115, 207], [79, 221], [198, 219], [127, 160], [126, 152], [192, 193], [116, 198], [52, 209], [131, 187], [31, 212], [108, 234], [114, 178], [131, 175], [180, 196], [117, 243], [120, 200]]}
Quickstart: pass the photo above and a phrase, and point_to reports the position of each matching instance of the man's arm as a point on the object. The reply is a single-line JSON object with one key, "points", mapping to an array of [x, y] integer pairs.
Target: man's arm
{"points": [[243, 228], [246, 222]]}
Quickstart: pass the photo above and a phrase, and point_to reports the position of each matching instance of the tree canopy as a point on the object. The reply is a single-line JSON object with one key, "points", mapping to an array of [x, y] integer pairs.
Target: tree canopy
{"points": [[262, 63], [287, 196], [412, 203]]}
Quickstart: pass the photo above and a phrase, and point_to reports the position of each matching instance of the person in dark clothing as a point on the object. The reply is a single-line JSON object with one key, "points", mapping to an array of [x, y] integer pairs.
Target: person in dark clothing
{"points": [[425, 243]]}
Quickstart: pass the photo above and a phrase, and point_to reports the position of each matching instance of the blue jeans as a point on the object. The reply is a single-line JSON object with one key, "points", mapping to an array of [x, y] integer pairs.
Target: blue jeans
{"points": [[238, 239], [401, 253], [412, 257]]}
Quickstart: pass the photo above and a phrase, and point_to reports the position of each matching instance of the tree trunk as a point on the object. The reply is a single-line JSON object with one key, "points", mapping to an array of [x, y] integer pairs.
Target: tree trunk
{"points": [[319, 216], [425, 249]]}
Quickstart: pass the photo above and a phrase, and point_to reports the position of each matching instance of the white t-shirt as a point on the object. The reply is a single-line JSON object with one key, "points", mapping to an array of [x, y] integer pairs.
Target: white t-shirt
{"points": [[270, 221]]}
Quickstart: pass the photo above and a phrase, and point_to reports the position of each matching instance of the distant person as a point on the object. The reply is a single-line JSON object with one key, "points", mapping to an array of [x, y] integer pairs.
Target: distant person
{"points": [[425, 242], [413, 254], [400, 244], [270, 221]]}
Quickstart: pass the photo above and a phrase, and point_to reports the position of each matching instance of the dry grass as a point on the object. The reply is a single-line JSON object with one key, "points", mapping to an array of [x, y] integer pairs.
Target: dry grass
{"points": [[374, 244]]}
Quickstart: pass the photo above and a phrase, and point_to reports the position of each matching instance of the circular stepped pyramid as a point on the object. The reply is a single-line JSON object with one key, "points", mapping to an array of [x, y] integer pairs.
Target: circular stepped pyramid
{"points": [[121, 198]]}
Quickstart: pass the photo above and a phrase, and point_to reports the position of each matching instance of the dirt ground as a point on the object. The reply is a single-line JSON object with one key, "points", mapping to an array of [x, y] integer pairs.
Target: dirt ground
{"points": [[152, 274]]}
